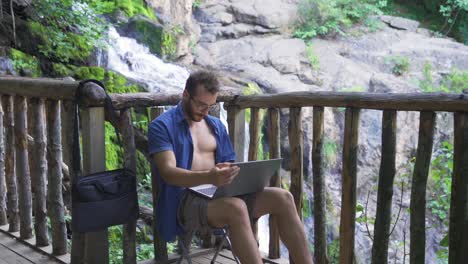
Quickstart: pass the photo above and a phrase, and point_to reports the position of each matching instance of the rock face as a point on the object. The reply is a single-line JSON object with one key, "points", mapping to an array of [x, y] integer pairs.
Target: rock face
{"points": [[178, 14], [251, 40]]}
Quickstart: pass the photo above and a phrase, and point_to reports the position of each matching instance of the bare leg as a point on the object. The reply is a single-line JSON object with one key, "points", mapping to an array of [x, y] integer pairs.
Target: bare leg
{"points": [[280, 203], [233, 212]]}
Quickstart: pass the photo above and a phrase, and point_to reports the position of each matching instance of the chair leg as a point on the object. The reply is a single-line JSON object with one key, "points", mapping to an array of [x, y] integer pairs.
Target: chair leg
{"points": [[218, 249]]}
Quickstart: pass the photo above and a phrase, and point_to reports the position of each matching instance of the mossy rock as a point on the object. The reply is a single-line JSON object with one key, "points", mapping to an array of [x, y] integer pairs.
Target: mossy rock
{"points": [[135, 7], [24, 64], [146, 32], [93, 72]]}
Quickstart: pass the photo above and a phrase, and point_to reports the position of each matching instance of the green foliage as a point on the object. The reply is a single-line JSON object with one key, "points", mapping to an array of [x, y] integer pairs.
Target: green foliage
{"points": [[306, 206], [440, 186], [196, 4], [135, 7], [102, 6], [24, 62], [68, 30], [62, 70], [400, 65], [90, 73], [454, 82], [361, 216], [334, 251], [313, 58], [441, 182], [169, 42], [322, 17], [330, 150]]}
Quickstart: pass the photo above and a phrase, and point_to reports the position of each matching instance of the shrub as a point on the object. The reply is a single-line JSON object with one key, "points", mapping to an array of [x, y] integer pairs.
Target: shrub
{"points": [[400, 65], [68, 30], [322, 17], [313, 58]]}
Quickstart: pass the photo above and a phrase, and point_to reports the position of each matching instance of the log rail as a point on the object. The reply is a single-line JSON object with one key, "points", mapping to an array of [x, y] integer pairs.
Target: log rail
{"points": [[30, 116]]}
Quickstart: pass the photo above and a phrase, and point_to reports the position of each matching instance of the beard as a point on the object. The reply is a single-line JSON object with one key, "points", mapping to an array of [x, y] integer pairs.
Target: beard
{"points": [[191, 114]]}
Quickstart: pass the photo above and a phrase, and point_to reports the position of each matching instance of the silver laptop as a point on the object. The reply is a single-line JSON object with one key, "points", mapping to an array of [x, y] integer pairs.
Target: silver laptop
{"points": [[253, 177]]}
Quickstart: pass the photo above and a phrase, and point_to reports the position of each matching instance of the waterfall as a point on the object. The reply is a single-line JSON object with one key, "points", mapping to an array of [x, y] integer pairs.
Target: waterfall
{"points": [[135, 62]]}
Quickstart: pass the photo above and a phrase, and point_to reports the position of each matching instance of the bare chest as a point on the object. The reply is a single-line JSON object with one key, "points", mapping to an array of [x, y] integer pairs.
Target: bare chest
{"points": [[203, 139]]}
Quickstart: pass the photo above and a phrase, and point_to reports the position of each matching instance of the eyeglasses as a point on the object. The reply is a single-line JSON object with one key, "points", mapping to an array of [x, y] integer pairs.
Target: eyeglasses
{"points": [[202, 106]]}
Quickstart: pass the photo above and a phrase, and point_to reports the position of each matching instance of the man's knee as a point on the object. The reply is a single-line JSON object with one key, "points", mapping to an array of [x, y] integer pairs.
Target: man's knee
{"points": [[235, 211], [285, 198]]}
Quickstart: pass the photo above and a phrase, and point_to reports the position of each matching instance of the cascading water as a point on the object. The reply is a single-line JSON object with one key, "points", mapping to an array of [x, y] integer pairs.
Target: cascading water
{"points": [[135, 62]]}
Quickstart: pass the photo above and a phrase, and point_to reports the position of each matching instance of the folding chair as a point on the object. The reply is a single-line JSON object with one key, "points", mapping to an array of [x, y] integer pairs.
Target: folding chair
{"points": [[221, 233]]}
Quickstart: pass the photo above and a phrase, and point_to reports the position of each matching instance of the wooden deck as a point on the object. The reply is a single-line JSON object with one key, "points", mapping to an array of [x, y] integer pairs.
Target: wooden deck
{"points": [[204, 256], [13, 251]]}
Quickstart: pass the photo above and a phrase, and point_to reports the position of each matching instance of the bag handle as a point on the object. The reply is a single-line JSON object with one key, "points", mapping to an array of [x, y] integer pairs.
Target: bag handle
{"points": [[109, 108]]}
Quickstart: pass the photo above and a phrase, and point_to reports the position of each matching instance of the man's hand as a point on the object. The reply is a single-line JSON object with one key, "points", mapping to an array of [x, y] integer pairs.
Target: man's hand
{"points": [[223, 173]]}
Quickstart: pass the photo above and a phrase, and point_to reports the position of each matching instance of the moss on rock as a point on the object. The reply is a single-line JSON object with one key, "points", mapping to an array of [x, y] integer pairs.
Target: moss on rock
{"points": [[24, 64]]}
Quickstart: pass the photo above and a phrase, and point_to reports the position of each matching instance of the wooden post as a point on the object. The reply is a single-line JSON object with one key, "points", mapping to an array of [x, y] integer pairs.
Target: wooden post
{"points": [[418, 188], [10, 178], [275, 181], [160, 247], [236, 123], [458, 230], [39, 170], [320, 231], [128, 141], [3, 191], [349, 181], [385, 189], [254, 131], [22, 168], [296, 146], [94, 160], [67, 116], [54, 161]]}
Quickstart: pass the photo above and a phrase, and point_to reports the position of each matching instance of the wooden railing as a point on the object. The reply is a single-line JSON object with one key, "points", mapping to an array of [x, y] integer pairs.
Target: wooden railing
{"points": [[35, 99]]}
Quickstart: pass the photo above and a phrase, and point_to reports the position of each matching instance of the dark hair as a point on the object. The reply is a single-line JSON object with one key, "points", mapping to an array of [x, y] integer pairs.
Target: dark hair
{"points": [[207, 79]]}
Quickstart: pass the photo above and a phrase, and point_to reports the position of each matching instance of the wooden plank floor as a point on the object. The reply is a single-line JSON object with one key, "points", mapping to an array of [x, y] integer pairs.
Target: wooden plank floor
{"points": [[204, 256], [14, 252]]}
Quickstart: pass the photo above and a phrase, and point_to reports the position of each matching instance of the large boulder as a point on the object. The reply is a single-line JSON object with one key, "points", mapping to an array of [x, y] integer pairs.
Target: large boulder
{"points": [[178, 14], [145, 31]]}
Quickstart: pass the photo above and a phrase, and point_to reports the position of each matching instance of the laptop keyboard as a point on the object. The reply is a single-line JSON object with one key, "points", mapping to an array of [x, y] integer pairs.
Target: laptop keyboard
{"points": [[208, 191]]}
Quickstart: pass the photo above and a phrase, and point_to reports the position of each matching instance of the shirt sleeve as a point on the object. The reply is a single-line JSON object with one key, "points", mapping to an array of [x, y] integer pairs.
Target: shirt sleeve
{"points": [[158, 137], [228, 151]]}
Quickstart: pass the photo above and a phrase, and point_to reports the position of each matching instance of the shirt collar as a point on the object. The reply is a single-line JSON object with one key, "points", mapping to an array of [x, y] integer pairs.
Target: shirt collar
{"points": [[180, 117]]}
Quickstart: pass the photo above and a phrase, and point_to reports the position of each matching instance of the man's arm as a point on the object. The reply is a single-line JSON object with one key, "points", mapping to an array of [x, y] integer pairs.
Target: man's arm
{"points": [[221, 174]]}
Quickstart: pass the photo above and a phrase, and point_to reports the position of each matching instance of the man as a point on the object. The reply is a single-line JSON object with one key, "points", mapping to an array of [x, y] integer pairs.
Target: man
{"points": [[191, 148]]}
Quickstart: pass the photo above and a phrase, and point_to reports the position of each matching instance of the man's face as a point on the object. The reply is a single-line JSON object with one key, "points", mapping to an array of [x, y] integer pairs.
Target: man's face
{"points": [[198, 104]]}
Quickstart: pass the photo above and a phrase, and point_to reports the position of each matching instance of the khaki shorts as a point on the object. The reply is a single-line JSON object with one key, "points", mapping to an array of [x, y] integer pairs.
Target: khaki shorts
{"points": [[192, 213]]}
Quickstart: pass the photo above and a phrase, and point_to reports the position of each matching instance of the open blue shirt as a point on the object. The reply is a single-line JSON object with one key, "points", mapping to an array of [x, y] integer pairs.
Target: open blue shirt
{"points": [[170, 131]]}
